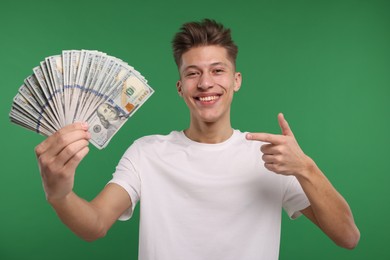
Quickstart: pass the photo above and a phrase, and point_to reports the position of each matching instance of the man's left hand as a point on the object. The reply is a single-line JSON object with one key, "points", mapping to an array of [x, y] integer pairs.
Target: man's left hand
{"points": [[282, 154]]}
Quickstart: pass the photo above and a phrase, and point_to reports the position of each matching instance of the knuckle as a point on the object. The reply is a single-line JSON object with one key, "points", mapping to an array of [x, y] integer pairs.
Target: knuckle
{"points": [[266, 165], [62, 174], [61, 139], [49, 171], [68, 151], [43, 161], [276, 168], [281, 149], [80, 155], [38, 149], [269, 167], [58, 133], [75, 126], [77, 157], [76, 150], [278, 159], [50, 168]]}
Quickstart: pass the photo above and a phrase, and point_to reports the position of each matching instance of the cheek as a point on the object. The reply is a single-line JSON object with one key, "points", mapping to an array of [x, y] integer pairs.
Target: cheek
{"points": [[228, 86], [188, 89], [187, 97]]}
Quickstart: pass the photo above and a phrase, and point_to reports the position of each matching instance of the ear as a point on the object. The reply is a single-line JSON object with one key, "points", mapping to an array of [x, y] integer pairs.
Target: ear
{"points": [[178, 87], [237, 81]]}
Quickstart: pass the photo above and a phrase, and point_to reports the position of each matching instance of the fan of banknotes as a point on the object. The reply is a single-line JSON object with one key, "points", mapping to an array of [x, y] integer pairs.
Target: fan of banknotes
{"points": [[80, 85]]}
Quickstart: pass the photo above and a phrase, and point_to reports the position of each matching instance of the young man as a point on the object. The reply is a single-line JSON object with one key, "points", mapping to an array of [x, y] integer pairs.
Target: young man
{"points": [[208, 192]]}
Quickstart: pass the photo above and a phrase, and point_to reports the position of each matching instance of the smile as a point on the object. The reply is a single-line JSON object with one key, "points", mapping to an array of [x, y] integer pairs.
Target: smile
{"points": [[208, 98]]}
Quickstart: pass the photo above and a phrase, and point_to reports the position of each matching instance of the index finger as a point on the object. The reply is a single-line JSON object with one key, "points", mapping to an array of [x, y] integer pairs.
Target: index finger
{"points": [[265, 137]]}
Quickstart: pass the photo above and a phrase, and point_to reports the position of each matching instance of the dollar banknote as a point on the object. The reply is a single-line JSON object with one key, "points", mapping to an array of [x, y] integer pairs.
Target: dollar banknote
{"points": [[80, 85]]}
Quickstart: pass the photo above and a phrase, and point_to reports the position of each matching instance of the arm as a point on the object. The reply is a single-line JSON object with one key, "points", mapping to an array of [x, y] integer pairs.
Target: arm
{"points": [[328, 209], [58, 157]]}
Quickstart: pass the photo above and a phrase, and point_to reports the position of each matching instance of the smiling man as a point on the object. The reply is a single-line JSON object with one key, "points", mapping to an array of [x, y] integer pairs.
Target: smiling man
{"points": [[207, 83], [209, 191]]}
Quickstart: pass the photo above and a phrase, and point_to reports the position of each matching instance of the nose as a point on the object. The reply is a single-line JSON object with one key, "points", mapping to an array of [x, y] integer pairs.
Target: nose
{"points": [[205, 81]]}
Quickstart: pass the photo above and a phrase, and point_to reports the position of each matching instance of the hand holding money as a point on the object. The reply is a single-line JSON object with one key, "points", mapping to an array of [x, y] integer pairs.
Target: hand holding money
{"points": [[80, 86], [58, 157]]}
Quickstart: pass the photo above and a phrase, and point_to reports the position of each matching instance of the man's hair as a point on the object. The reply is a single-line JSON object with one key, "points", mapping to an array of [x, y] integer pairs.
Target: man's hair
{"points": [[204, 33]]}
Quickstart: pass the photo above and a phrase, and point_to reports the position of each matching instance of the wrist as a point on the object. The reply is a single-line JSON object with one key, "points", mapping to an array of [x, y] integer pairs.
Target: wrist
{"points": [[308, 170], [58, 200]]}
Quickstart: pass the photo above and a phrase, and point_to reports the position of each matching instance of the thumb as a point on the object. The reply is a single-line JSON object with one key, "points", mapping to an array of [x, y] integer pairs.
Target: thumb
{"points": [[286, 130]]}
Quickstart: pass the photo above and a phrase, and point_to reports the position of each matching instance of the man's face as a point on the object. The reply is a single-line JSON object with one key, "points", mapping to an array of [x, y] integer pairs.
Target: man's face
{"points": [[207, 83], [108, 112]]}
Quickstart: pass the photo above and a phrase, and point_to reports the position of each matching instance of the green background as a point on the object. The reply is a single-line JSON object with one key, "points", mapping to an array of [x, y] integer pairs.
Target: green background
{"points": [[325, 64]]}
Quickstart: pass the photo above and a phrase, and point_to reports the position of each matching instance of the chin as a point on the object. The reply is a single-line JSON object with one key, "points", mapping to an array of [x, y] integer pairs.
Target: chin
{"points": [[210, 119]]}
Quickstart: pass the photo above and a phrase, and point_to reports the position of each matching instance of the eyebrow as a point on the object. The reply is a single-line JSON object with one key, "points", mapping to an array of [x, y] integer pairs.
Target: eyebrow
{"points": [[211, 65], [219, 63]]}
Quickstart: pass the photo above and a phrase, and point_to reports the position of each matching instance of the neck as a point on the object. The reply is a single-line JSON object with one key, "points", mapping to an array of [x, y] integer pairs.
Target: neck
{"points": [[210, 133]]}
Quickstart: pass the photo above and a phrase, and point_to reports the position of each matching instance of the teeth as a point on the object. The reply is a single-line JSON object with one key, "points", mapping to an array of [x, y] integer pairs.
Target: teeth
{"points": [[210, 98]]}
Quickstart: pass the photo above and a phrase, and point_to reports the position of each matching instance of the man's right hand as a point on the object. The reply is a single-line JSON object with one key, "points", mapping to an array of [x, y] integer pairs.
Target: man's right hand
{"points": [[58, 157]]}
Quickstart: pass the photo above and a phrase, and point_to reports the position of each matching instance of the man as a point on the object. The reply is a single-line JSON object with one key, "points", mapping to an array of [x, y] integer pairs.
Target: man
{"points": [[208, 192]]}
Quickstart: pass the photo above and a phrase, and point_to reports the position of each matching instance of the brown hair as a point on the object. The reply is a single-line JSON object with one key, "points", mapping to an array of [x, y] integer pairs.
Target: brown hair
{"points": [[203, 33]]}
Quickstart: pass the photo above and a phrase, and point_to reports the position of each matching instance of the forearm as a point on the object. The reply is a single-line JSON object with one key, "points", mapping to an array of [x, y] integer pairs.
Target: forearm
{"points": [[80, 216], [332, 213]]}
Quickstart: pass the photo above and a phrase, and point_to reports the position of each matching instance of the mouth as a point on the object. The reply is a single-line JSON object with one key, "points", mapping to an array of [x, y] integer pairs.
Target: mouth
{"points": [[208, 99]]}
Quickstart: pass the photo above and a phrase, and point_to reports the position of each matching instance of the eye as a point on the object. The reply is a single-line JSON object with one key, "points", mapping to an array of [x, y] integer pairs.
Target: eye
{"points": [[191, 74], [218, 71]]}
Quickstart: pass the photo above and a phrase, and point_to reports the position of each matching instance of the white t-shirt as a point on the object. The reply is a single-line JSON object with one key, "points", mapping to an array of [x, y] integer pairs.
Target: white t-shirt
{"points": [[206, 201]]}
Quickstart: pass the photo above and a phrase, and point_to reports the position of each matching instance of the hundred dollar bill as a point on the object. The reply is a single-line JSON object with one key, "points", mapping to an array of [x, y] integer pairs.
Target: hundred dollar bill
{"points": [[105, 87], [55, 71], [110, 115], [73, 90], [91, 86], [66, 80]]}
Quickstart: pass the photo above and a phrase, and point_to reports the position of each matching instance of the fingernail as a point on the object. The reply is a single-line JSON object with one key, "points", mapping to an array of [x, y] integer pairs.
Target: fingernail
{"points": [[248, 136], [85, 125]]}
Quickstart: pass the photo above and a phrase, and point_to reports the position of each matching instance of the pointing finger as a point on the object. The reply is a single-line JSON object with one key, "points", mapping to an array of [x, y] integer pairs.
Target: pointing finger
{"points": [[265, 137]]}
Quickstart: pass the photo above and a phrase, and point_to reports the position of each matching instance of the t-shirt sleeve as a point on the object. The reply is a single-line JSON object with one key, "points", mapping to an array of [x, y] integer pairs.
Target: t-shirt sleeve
{"points": [[127, 176], [294, 199]]}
